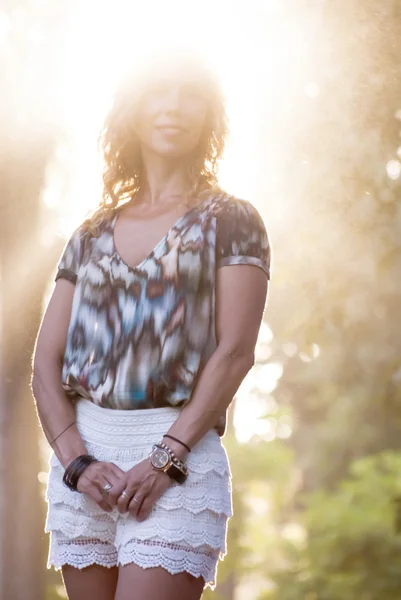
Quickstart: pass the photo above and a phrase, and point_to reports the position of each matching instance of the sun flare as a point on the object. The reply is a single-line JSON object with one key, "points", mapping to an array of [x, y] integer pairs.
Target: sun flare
{"points": [[252, 64]]}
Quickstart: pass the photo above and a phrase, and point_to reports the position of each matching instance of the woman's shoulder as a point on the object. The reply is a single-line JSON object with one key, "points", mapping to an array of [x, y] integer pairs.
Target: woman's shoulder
{"points": [[94, 225], [241, 234], [225, 202], [230, 209]]}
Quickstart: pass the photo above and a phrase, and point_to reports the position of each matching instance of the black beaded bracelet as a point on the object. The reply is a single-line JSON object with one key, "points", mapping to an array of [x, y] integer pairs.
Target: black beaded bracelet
{"points": [[75, 469]]}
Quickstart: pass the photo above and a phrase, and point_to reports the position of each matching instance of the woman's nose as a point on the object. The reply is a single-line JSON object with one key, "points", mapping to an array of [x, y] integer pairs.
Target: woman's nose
{"points": [[173, 100]]}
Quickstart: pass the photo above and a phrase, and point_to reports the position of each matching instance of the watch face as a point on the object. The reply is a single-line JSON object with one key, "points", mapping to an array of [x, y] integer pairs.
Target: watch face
{"points": [[160, 458]]}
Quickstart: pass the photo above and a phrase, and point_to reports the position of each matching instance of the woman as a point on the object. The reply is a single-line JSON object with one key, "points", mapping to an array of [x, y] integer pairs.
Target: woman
{"points": [[146, 339]]}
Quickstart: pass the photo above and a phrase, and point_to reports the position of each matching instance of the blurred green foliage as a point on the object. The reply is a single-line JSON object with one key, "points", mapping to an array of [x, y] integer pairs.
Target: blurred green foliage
{"points": [[353, 549]]}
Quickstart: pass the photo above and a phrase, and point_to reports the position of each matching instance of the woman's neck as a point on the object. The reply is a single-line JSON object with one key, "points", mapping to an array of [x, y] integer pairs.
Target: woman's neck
{"points": [[165, 180]]}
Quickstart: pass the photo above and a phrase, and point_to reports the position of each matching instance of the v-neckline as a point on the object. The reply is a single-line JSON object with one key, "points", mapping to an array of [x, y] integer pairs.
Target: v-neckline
{"points": [[151, 254]]}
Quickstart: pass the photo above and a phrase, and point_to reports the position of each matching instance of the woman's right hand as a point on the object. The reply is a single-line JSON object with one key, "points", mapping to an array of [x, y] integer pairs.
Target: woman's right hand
{"points": [[96, 476]]}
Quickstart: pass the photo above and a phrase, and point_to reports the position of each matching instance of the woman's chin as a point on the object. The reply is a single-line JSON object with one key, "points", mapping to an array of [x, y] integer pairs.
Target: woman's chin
{"points": [[171, 151]]}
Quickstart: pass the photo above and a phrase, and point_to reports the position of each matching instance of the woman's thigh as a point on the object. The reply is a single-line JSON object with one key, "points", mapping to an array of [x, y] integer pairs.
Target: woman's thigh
{"points": [[155, 583], [95, 582]]}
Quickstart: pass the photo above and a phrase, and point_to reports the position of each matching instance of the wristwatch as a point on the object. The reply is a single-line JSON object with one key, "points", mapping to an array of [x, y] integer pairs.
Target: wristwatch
{"points": [[163, 460]]}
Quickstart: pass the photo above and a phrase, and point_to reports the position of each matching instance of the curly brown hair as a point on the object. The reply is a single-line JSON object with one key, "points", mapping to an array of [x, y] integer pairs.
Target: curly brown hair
{"points": [[120, 146]]}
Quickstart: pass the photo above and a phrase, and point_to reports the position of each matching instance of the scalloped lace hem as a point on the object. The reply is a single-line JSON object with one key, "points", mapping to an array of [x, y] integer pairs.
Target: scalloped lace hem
{"points": [[210, 532], [174, 558], [80, 552], [210, 491]]}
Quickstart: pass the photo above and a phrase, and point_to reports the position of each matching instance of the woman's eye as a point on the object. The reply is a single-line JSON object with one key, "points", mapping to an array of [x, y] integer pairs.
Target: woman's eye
{"points": [[157, 88], [165, 89]]}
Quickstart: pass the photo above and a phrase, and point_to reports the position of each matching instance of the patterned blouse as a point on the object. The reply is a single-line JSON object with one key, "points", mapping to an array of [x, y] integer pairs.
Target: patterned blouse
{"points": [[140, 337]]}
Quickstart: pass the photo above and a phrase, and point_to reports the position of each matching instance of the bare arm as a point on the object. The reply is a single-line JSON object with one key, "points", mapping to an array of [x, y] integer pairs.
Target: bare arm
{"points": [[55, 410], [240, 302]]}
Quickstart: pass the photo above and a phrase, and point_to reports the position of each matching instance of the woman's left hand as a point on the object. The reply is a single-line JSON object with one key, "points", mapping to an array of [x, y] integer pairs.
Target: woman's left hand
{"points": [[144, 486]]}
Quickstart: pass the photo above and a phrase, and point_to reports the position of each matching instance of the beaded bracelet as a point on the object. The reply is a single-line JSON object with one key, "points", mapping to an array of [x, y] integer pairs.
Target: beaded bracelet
{"points": [[75, 469], [177, 461]]}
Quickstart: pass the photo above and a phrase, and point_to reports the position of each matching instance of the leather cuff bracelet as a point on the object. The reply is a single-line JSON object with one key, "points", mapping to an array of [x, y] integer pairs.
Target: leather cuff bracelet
{"points": [[75, 469]]}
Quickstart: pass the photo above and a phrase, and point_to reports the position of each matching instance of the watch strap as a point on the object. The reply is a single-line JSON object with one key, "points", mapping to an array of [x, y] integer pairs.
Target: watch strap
{"points": [[175, 473]]}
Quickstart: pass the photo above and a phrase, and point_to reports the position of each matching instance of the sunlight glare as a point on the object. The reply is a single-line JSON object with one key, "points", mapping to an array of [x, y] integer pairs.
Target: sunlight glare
{"points": [[5, 26], [252, 67], [266, 376], [393, 168], [249, 421], [253, 64]]}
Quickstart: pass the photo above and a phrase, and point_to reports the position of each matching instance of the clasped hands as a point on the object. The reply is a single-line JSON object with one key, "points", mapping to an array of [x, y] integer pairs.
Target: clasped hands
{"points": [[134, 491]]}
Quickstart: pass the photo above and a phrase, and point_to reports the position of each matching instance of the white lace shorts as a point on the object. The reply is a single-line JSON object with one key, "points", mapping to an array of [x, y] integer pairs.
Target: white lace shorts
{"points": [[186, 530]]}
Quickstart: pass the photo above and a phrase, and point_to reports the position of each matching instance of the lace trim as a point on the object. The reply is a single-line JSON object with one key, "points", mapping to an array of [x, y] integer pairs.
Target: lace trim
{"points": [[175, 558], [201, 562], [208, 491], [80, 553], [177, 526], [181, 526], [74, 523]]}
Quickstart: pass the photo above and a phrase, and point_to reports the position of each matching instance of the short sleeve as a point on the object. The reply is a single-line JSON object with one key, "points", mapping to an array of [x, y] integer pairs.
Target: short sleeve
{"points": [[242, 237], [70, 260]]}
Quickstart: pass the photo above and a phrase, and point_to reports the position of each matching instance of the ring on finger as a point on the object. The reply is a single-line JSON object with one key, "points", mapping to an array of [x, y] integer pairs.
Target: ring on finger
{"points": [[123, 494], [136, 500], [107, 487]]}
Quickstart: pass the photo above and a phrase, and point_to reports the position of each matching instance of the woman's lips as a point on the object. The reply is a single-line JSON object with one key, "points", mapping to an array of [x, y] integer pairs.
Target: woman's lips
{"points": [[171, 129]]}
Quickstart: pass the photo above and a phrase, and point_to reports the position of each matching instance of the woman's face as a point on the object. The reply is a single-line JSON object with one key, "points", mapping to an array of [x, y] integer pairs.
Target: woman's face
{"points": [[172, 113]]}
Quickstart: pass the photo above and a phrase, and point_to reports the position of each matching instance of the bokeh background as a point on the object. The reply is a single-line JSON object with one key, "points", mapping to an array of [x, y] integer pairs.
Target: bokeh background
{"points": [[314, 96]]}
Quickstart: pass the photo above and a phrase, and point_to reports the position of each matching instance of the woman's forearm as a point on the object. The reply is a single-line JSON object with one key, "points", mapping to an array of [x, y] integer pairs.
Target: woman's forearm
{"points": [[215, 389], [56, 412]]}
